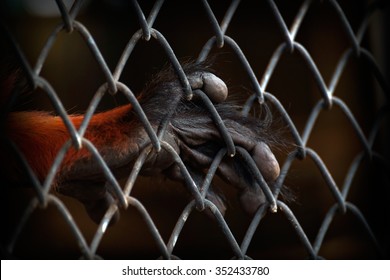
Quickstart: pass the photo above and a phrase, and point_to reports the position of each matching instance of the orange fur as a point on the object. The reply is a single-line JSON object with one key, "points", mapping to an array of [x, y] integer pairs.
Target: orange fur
{"points": [[40, 136]]}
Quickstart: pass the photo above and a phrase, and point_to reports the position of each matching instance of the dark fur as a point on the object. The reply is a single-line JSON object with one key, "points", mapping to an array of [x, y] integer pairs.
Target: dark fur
{"points": [[192, 126], [189, 129]]}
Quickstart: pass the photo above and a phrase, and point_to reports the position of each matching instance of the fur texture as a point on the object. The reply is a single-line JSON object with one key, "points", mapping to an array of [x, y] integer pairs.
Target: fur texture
{"points": [[119, 137]]}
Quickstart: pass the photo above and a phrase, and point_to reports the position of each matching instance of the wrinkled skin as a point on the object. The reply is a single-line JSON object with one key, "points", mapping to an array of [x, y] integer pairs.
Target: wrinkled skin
{"points": [[191, 133]]}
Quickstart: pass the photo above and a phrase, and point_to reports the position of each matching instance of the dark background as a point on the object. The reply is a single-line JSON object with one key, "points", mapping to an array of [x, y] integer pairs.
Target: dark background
{"points": [[75, 75]]}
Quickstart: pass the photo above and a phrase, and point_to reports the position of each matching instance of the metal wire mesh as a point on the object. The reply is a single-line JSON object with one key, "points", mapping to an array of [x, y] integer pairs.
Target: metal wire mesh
{"points": [[313, 241]]}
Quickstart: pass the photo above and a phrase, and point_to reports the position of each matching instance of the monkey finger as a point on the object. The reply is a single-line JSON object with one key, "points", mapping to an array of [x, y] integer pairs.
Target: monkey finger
{"points": [[217, 199], [235, 171], [250, 195], [212, 194], [231, 170], [266, 161], [206, 142], [260, 151], [96, 209], [251, 199], [213, 86], [197, 174]]}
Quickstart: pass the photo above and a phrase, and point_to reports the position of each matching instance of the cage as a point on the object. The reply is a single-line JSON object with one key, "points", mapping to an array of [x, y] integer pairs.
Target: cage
{"points": [[320, 66]]}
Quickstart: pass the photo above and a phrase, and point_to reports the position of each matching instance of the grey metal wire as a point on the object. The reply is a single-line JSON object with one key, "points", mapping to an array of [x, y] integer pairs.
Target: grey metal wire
{"points": [[125, 199]]}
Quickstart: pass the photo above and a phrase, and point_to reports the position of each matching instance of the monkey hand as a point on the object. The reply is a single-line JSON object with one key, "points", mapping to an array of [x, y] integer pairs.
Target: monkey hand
{"points": [[188, 130], [192, 132]]}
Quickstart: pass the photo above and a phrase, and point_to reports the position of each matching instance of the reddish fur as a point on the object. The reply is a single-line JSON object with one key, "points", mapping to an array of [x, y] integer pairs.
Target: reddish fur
{"points": [[40, 136]]}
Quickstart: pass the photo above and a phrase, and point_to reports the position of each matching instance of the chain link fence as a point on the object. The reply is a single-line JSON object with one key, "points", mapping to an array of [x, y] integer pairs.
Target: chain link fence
{"points": [[271, 52]]}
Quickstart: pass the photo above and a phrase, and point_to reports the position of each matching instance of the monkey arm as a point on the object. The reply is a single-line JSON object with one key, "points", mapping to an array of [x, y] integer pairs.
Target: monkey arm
{"points": [[119, 137]]}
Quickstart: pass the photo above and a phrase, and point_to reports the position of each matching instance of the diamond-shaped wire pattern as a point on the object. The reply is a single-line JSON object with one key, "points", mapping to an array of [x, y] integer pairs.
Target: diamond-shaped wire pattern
{"points": [[287, 44]]}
